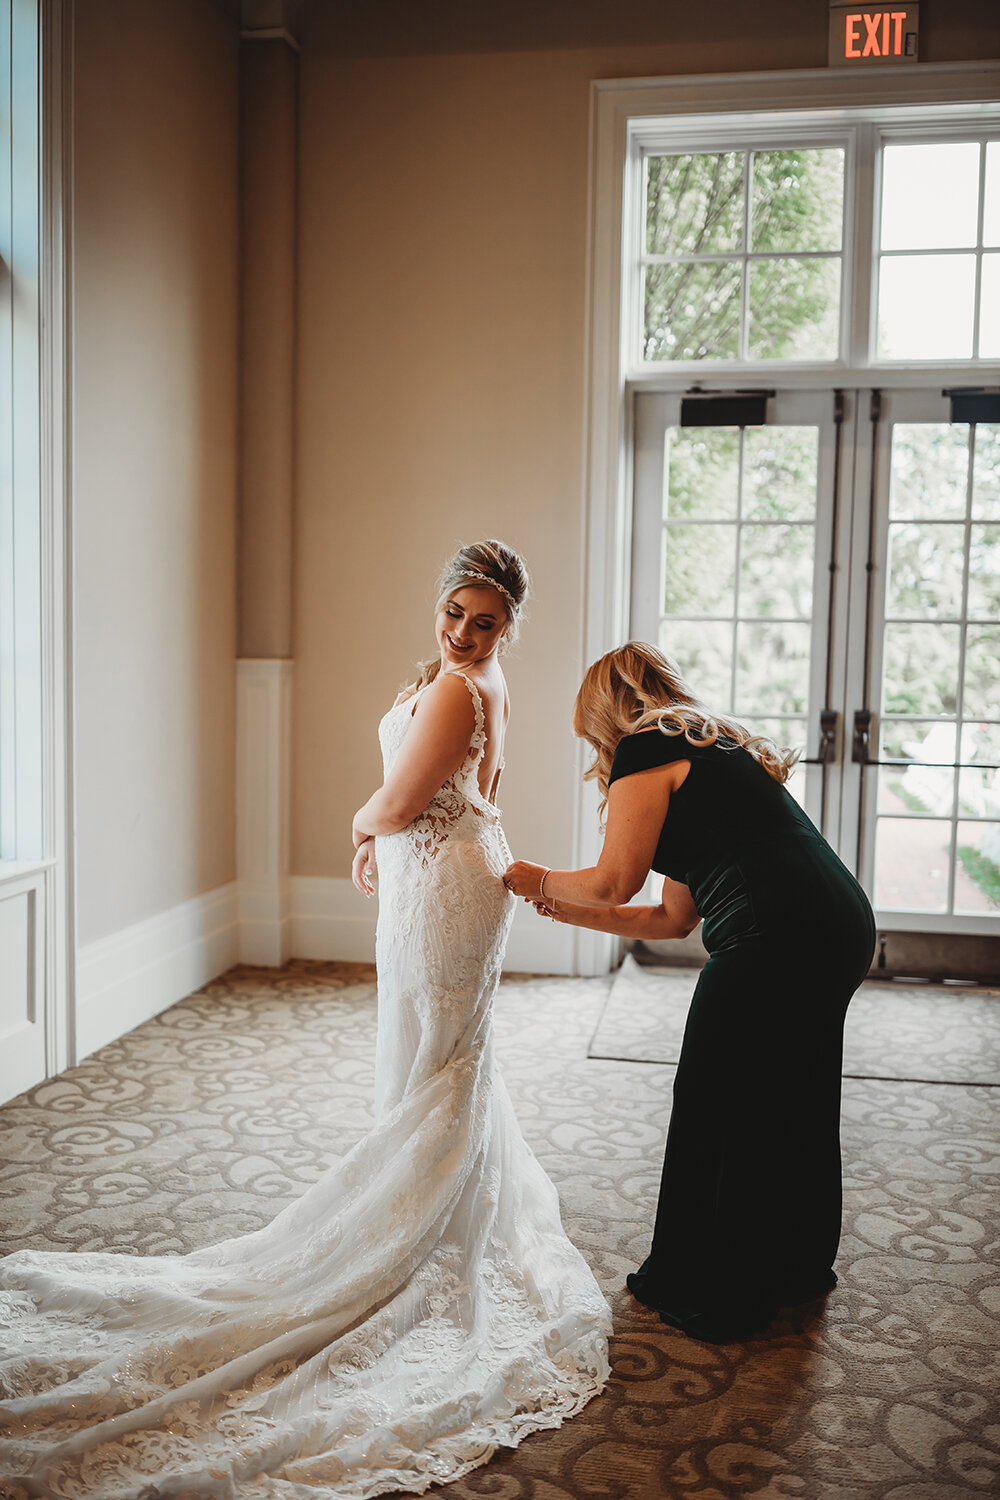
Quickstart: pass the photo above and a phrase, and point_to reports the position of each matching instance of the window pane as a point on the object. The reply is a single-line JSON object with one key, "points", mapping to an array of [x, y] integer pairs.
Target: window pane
{"points": [[797, 200], [930, 195], [693, 311], [703, 473], [978, 793], [779, 473], [984, 574], [981, 742], [699, 568], [694, 204], [928, 790], [772, 673], [787, 734], [977, 873], [989, 308], [916, 739], [982, 680], [776, 571], [930, 470], [917, 788], [794, 309], [704, 653], [986, 471], [991, 214], [800, 783], [925, 569], [920, 674], [911, 864], [925, 306]]}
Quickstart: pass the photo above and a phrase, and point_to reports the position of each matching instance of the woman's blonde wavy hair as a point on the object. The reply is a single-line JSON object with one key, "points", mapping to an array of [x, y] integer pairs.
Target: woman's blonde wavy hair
{"points": [[477, 564], [636, 687]]}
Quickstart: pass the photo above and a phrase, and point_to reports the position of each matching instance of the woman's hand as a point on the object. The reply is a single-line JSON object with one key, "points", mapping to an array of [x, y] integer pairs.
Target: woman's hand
{"points": [[550, 910], [525, 879], [364, 871]]}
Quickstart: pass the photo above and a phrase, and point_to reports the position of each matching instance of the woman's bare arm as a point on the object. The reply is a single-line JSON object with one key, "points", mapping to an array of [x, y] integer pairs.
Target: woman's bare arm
{"points": [[637, 806], [675, 917], [435, 745]]}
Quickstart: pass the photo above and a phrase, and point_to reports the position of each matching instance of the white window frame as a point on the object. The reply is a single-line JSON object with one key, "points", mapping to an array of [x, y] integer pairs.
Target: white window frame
{"points": [[913, 135], [861, 134], [762, 135], [624, 112], [21, 819], [37, 851]]}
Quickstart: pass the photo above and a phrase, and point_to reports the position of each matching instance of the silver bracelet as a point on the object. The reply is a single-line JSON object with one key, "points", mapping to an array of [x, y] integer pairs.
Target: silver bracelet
{"points": [[541, 885]]}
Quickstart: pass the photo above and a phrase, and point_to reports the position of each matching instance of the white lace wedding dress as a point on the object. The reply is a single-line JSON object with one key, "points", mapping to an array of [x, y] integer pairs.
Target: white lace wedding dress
{"points": [[418, 1307]]}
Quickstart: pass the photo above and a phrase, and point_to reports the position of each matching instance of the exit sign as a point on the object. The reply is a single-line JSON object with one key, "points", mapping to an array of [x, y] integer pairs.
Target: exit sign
{"points": [[865, 34]]}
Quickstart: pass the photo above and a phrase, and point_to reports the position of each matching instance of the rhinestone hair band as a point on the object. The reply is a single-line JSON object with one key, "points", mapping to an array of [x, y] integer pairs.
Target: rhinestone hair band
{"points": [[475, 573]]}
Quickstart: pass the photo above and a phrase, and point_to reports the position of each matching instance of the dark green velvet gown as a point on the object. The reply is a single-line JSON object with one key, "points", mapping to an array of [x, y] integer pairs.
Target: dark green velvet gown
{"points": [[750, 1201]]}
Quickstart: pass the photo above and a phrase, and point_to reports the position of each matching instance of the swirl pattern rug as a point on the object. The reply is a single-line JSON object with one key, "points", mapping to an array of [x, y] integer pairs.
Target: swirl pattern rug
{"points": [[205, 1121]]}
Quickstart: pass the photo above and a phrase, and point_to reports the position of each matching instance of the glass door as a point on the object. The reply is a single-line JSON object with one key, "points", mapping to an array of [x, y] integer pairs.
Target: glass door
{"points": [[923, 784], [736, 553]]}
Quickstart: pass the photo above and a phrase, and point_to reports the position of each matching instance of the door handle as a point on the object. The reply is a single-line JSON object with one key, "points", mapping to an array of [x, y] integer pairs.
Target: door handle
{"points": [[827, 752], [861, 744]]}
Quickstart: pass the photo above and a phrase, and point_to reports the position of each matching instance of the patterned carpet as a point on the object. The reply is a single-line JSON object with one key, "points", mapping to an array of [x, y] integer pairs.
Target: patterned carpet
{"points": [[204, 1121]]}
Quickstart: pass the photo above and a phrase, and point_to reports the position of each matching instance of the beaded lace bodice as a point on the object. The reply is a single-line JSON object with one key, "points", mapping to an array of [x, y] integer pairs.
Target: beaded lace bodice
{"points": [[456, 811], [416, 1308]]}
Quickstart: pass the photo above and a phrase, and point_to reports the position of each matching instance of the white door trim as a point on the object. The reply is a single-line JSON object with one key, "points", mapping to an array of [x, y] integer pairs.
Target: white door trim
{"points": [[56, 283]]}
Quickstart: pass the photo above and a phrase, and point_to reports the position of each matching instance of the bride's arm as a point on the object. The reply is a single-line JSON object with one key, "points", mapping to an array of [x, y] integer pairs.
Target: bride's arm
{"points": [[435, 745]]}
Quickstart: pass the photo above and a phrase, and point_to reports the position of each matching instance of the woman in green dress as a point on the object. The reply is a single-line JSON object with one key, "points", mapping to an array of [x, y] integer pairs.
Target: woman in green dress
{"points": [[750, 1201]]}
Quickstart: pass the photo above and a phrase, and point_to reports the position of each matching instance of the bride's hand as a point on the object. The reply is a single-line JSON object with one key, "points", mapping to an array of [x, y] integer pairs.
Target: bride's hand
{"points": [[524, 879], [364, 871]]}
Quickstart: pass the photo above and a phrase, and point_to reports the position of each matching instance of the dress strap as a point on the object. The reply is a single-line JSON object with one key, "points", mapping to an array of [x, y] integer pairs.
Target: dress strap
{"points": [[478, 739]]}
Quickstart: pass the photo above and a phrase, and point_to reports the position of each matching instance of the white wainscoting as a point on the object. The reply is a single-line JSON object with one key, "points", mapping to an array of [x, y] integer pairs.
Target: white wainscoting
{"points": [[331, 920], [124, 979]]}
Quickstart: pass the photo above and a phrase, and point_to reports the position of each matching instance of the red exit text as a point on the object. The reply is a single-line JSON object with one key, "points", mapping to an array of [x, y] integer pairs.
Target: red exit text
{"points": [[863, 35], [883, 34]]}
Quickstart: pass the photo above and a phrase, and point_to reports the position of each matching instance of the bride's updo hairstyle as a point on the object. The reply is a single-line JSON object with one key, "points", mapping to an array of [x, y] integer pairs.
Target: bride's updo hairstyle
{"points": [[480, 565], [636, 688]]}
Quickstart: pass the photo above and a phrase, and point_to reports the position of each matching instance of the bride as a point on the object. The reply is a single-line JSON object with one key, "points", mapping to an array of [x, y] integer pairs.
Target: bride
{"points": [[419, 1305]]}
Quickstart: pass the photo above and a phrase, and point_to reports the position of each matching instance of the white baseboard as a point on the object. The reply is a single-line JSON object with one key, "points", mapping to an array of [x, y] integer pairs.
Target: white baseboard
{"points": [[124, 979], [330, 920]]}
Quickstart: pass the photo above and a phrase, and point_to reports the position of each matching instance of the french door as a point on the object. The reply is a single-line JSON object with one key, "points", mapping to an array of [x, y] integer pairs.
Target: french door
{"points": [[921, 778], [825, 565]]}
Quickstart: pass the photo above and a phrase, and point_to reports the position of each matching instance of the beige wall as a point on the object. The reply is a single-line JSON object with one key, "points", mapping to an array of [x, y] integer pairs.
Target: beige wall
{"points": [[440, 395], [155, 350], [441, 366]]}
